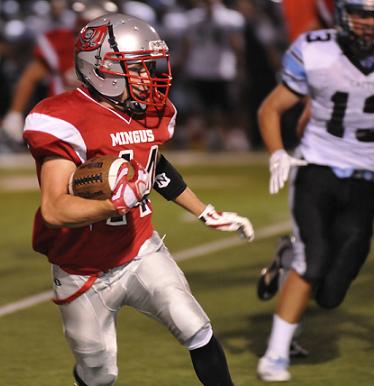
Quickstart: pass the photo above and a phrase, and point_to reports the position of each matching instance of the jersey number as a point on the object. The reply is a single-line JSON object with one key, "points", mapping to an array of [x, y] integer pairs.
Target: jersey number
{"points": [[144, 208], [335, 124]]}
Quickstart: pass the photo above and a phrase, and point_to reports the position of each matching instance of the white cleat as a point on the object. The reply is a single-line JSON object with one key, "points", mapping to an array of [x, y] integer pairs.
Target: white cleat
{"points": [[273, 369]]}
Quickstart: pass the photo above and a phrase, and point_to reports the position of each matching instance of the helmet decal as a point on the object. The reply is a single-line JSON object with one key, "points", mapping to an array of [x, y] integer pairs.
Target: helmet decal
{"points": [[90, 38], [157, 45]]}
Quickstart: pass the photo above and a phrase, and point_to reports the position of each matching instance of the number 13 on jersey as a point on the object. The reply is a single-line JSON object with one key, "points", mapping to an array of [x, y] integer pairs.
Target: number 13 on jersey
{"points": [[335, 124]]}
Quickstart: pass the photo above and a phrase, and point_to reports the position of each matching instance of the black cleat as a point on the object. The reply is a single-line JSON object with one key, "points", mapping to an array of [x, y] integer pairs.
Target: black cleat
{"points": [[297, 351], [268, 283]]}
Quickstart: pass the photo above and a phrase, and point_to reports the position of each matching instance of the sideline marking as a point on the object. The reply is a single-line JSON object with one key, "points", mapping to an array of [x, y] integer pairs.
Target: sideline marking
{"points": [[186, 254], [225, 243], [25, 303]]}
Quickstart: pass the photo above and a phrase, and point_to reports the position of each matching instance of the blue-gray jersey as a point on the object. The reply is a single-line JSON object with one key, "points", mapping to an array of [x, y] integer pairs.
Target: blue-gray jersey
{"points": [[340, 132]]}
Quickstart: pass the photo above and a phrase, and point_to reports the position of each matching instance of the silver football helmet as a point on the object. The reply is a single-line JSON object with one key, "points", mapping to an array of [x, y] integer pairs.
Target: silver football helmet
{"points": [[121, 58], [355, 19]]}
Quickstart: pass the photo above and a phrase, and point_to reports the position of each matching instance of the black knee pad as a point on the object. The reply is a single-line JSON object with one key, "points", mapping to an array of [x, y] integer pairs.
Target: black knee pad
{"points": [[329, 301], [331, 293]]}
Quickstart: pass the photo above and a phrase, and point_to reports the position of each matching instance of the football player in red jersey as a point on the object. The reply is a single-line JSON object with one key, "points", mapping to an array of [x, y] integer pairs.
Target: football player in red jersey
{"points": [[106, 254]]}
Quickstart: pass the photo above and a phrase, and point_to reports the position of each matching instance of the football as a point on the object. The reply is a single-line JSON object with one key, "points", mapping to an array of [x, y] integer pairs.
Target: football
{"points": [[95, 178]]}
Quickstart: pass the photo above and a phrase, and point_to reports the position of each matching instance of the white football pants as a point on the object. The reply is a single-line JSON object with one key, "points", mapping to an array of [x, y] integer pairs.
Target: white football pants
{"points": [[152, 283]]}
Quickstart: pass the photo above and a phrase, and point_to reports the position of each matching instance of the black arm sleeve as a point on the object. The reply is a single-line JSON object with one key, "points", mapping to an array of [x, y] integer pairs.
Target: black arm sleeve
{"points": [[168, 182]]}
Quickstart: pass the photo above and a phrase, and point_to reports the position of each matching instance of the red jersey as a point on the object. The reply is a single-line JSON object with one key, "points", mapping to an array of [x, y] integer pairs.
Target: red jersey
{"points": [[74, 126], [56, 49]]}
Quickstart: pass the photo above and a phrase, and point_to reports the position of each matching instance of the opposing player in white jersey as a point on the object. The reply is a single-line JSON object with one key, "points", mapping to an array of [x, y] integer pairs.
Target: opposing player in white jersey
{"points": [[332, 185], [105, 254]]}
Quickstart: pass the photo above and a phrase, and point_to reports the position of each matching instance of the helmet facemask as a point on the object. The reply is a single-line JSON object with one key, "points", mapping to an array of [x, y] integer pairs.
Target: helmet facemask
{"points": [[147, 81]]}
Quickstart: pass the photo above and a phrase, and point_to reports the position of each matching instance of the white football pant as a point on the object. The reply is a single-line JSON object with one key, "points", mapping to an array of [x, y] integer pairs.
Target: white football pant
{"points": [[152, 283]]}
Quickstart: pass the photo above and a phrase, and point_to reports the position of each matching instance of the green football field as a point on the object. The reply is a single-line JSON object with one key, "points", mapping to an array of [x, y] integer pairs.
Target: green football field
{"points": [[222, 275]]}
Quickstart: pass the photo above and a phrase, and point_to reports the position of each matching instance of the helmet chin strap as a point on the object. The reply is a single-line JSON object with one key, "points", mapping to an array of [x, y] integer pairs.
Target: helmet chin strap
{"points": [[129, 106], [135, 107]]}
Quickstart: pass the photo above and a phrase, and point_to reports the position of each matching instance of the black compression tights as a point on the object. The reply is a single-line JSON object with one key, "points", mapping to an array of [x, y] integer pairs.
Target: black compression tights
{"points": [[210, 364]]}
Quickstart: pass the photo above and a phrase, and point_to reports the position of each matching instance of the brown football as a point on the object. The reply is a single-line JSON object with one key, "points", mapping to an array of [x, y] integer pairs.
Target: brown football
{"points": [[95, 178]]}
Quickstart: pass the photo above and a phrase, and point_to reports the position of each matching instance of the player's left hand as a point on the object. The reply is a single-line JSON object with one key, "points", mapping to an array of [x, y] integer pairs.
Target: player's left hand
{"points": [[227, 221], [280, 164]]}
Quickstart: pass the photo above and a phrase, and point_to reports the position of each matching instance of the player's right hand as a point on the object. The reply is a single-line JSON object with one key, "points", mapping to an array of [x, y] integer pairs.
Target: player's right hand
{"points": [[227, 222], [280, 164], [129, 192], [12, 126]]}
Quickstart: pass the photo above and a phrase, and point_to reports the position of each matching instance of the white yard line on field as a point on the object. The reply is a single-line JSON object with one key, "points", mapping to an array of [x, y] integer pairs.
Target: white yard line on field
{"points": [[186, 254], [25, 303], [228, 242]]}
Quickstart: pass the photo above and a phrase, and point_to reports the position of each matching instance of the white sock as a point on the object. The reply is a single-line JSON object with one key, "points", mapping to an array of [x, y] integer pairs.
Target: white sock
{"points": [[280, 338]]}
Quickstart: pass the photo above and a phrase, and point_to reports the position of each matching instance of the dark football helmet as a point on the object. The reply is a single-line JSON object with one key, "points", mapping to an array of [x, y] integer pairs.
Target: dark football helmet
{"points": [[120, 58], [355, 22]]}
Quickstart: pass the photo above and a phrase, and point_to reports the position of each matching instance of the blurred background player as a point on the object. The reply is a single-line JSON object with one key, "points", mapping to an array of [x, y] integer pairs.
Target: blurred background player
{"points": [[52, 65], [331, 194], [105, 254], [213, 55], [261, 61]]}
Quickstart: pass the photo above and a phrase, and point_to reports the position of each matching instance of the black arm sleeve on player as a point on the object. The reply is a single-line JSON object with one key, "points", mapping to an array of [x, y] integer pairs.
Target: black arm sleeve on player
{"points": [[169, 183]]}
